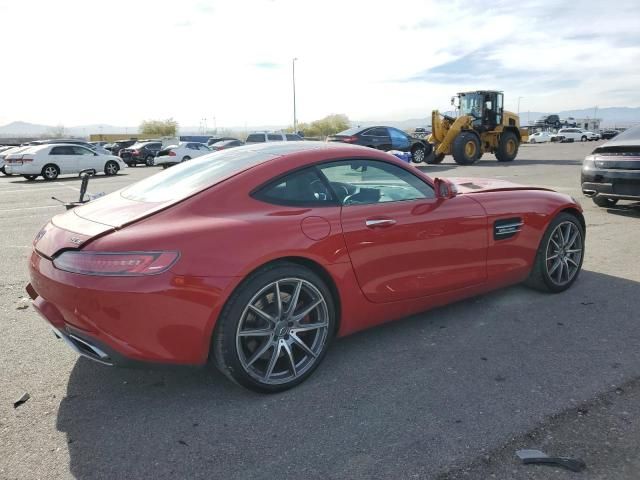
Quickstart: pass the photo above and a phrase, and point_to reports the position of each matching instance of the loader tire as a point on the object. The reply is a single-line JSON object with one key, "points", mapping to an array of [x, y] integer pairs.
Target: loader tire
{"points": [[508, 147], [466, 148]]}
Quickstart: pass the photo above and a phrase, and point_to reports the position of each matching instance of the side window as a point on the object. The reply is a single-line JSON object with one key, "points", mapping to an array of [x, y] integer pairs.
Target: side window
{"points": [[397, 135], [302, 188], [204, 148], [59, 151], [361, 182], [376, 132], [274, 137], [81, 151], [192, 146]]}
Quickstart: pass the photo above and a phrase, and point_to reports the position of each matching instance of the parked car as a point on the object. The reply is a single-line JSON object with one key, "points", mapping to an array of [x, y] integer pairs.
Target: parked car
{"points": [[8, 151], [540, 137], [593, 136], [99, 144], [263, 137], [120, 145], [574, 134], [180, 153], [293, 137], [141, 152], [385, 139], [213, 140], [224, 144], [52, 160], [355, 236], [548, 121], [612, 171], [609, 134]]}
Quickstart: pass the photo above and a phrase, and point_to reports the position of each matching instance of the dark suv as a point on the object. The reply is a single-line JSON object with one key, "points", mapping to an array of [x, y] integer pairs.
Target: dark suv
{"points": [[141, 152], [120, 144]]}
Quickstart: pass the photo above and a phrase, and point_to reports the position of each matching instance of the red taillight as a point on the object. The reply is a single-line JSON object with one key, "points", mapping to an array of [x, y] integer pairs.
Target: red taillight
{"points": [[27, 159], [172, 153], [115, 264], [350, 139], [135, 153]]}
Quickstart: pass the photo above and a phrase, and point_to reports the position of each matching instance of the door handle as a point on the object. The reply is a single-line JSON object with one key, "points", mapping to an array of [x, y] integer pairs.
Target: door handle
{"points": [[381, 222]]}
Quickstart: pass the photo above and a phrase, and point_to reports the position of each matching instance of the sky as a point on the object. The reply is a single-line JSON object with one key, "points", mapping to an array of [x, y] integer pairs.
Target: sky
{"points": [[229, 62]]}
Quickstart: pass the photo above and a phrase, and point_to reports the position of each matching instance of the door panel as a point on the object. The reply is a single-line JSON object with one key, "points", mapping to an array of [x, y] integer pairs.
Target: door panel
{"points": [[416, 248]]}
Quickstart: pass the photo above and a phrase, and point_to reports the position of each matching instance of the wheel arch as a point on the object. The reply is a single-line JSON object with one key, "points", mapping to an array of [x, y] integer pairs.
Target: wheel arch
{"points": [[514, 130], [576, 213]]}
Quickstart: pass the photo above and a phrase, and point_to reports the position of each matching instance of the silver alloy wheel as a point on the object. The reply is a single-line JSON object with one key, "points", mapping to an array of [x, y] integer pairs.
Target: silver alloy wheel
{"points": [[564, 253], [111, 168], [282, 331], [418, 156], [50, 172]]}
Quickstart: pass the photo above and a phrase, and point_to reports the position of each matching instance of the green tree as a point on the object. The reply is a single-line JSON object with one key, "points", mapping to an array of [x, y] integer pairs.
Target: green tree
{"points": [[159, 128], [324, 127]]}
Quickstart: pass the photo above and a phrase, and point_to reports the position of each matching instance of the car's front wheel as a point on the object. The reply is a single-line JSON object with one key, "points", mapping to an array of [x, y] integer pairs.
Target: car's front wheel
{"points": [[584, 138], [275, 329], [50, 172], [559, 258], [150, 161], [419, 152]]}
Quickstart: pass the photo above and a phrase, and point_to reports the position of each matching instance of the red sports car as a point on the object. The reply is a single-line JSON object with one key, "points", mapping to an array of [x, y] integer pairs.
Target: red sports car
{"points": [[255, 258]]}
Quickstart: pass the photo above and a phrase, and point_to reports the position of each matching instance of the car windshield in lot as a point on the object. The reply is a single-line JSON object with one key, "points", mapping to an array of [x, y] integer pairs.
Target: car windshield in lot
{"points": [[191, 177]]}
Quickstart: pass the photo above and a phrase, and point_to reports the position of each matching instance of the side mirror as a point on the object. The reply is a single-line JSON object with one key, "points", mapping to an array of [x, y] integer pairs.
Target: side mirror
{"points": [[445, 189]]}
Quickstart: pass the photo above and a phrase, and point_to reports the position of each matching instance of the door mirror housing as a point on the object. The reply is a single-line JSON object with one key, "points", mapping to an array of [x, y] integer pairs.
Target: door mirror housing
{"points": [[444, 188]]}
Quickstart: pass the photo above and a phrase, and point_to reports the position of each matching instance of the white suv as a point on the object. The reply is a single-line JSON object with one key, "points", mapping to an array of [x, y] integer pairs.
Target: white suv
{"points": [[262, 137]]}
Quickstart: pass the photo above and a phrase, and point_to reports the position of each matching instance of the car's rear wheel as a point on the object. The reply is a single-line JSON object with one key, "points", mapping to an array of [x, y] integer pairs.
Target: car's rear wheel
{"points": [[30, 177], [184, 159], [149, 161], [275, 329], [50, 172], [604, 202], [559, 258], [111, 168], [584, 138]]}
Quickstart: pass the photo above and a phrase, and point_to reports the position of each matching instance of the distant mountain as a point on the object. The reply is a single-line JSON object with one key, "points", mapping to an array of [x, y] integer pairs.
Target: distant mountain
{"points": [[610, 116]]}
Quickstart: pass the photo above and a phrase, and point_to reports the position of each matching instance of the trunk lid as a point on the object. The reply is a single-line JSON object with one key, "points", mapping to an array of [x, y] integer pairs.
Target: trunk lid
{"points": [[76, 227]]}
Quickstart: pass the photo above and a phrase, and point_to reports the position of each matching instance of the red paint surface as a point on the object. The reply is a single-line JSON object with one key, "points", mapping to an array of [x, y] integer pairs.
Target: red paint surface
{"points": [[439, 251]]}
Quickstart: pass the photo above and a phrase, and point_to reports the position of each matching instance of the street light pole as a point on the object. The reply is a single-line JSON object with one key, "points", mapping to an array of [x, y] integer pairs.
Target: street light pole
{"points": [[519, 105], [295, 120]]}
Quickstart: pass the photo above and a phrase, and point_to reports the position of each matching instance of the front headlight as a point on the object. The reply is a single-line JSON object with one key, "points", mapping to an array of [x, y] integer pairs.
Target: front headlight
{"points": [[588, 163]]}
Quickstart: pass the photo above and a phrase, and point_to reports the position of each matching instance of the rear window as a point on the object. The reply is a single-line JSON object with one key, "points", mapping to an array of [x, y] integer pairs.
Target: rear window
{"points": [[350, 131], [188, 178], [256, 137]]}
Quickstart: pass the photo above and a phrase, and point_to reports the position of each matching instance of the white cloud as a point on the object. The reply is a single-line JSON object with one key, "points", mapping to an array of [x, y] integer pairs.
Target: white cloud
{"points": [[88, 61]]}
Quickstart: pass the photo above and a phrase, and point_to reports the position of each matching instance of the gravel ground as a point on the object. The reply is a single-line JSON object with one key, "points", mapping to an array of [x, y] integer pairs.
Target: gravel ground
{"points": [[450, 393]]}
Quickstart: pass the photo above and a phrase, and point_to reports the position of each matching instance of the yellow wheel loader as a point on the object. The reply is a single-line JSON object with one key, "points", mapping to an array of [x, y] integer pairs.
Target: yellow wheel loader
{"points": [[482, 126]]}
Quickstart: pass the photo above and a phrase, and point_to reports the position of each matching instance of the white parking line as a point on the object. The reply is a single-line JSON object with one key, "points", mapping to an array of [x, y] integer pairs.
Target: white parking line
{"points": [[28, 208]]}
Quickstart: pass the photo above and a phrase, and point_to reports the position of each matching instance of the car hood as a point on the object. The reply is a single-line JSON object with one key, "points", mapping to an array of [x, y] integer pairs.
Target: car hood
{"points": [[467, 185]]}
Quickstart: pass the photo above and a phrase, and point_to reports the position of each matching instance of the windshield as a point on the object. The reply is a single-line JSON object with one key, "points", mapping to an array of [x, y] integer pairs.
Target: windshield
{"points": [[350, 131], [188, 178], [471, 104]]}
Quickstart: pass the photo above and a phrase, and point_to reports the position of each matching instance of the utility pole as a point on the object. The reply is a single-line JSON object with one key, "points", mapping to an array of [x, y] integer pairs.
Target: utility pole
{"points": [[519, 105], [295, 120]]}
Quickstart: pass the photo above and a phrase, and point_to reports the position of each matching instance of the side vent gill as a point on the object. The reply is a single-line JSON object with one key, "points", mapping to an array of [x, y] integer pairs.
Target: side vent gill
{"points": [[506, 228]]}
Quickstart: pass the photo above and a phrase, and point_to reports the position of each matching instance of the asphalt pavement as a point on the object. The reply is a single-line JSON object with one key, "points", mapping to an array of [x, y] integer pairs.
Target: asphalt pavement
{"points": [[449, 393]]}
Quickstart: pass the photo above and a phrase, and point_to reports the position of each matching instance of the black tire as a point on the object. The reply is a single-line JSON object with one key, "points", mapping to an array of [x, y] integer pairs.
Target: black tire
{"points": [[583, 138], [165, 166], [533, 140], [184, 159], [50, 172], [466, 148], [604, 202], [111, 168], [227, 348], [150, 161], [420, 152], [508, 147], [435, 159], [540, 277], [30, 177]]}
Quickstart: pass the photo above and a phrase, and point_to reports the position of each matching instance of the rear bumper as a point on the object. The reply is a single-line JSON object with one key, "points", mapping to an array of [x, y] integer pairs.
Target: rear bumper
{"points": [[127, 320], [621, 184]]}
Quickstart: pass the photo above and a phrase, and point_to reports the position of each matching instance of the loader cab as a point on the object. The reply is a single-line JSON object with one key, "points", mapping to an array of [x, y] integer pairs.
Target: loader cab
{"points": [[485, 106]]}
